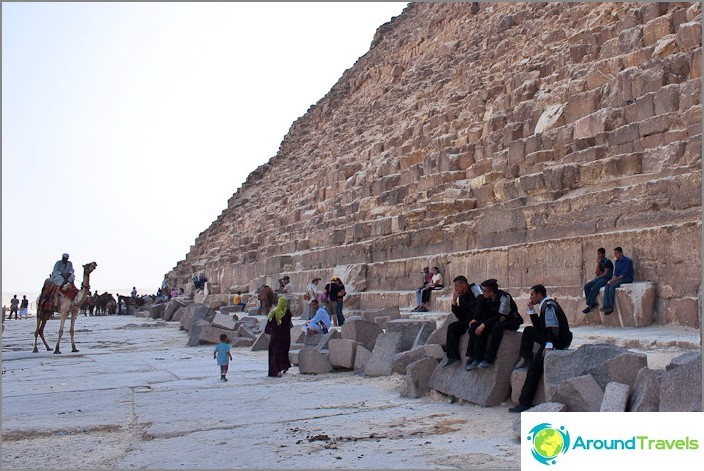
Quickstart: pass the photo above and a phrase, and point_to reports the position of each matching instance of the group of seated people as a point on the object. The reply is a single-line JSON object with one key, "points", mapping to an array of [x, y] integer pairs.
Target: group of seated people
{"points": [[432, 280], [485, 311]]}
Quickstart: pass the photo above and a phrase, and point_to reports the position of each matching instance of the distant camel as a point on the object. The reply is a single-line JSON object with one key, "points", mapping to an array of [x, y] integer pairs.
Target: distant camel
{"points": [[129, 301], [64, 306], [102, 304]]}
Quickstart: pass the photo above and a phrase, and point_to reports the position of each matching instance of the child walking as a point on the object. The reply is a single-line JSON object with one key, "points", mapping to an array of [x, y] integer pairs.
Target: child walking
{"points": [[223, 355]]}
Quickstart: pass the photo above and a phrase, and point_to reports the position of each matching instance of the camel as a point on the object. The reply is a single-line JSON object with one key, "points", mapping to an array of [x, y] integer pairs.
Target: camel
{"points": [[65, 306], [129, 301]]}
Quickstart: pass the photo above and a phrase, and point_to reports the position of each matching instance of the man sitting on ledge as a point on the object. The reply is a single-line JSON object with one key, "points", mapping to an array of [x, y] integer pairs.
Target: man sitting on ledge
{"points": [[550, 330], [623, 273]]}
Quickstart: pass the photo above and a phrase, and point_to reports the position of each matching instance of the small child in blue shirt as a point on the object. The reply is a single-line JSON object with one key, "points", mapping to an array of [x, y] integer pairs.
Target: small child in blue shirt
{"points": [[223, 355]]}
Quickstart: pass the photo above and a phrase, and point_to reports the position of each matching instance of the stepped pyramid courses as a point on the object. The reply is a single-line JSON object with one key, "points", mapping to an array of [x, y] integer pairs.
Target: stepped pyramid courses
{"points": [[510, 143]]}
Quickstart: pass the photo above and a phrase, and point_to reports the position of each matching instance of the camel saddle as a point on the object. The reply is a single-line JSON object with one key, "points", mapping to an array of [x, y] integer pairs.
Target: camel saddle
{"points": [[48, 300], [69, 291]]}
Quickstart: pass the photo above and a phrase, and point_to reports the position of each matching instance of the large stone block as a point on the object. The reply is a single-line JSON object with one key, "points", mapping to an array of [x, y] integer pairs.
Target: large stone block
{"points": [[298, 334], [605, 362], [211, 334], [518, 377], [320, 341], [615, 398], [544, 407], [439, 335], [195, 330], [364, 332], [634, 306], [178, 314], [243, 331], [171, 307], [197, 311], [371, 315], [231, 309], [413, 332], [645, 394], [486, 387], [403, 359], [223, 321], [417, 376], [361, 358], [381, 361], [681, 387], [689, 35], [156, 311], [580, 394], [313, 361], [242, 342], [342, 353], [261, 342]]}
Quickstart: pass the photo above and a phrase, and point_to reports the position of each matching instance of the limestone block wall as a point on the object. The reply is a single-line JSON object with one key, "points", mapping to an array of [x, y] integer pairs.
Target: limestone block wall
{"points": [[511, 143]]}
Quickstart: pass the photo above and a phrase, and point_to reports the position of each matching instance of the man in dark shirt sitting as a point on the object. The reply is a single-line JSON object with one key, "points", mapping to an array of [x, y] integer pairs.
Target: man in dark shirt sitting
{"points": [[603, 271], [464, 299]]}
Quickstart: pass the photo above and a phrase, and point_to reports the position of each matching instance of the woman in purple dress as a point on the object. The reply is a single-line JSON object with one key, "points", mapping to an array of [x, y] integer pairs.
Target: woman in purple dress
{"points": [[279, 326]]}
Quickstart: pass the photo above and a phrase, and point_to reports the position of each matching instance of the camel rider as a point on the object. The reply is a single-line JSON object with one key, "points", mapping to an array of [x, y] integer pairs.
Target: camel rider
{"points": [[63, 271]]}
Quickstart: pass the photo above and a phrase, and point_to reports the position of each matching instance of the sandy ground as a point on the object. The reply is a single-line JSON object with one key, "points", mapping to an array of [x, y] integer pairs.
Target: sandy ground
{"points": [[136, 397]]}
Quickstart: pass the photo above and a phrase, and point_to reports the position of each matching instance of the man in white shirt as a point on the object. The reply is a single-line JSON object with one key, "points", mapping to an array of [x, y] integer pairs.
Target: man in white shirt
{"points": [[436, 282]]}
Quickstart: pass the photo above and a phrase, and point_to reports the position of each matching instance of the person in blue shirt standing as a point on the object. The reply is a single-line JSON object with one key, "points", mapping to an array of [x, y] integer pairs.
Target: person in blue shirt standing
{"points": [[623, 273], [223, 356]]}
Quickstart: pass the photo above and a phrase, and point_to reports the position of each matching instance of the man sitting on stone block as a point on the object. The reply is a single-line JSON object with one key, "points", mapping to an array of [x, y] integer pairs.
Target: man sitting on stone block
{"points": [[550, 329], [320, 323], [603, 271], [436, 283], [623, 273], [464, 300], [498, 312]]}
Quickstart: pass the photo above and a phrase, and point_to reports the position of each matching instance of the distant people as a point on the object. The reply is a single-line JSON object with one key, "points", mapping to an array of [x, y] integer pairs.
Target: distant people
{"points": [[286, 289], [426, 278], [310, 295], [267, 299], [14, 306], [320, 322], [495, 313], [174, 293], [464, 301], [550, 330], [133, 294], [335, 293], [237, 300], [623, 273], [436, 283], [199, 281], [279, 326], [603, 271], [223, 356], [24, 307]]}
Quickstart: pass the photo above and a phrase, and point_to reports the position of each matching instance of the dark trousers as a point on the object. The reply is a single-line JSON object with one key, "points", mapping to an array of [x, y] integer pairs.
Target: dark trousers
{"points": [[425, 294], [591, 290], [455, 331], [485, 346], [529, 337]]}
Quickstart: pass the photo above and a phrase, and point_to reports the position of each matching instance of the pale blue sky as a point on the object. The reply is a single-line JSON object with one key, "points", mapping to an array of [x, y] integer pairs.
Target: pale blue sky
{"points": [[127, 126]]}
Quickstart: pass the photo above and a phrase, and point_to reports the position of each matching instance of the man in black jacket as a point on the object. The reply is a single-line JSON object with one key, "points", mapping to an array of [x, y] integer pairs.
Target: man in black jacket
{"points": [[550, 330], [464, 299], [497, 312]]}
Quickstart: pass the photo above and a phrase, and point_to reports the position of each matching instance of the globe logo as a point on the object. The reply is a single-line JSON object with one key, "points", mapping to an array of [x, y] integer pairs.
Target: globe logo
{"points": [[548, 442]]}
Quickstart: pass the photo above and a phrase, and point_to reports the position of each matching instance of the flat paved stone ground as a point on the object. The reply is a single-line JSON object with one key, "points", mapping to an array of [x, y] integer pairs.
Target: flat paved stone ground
{"points": [[136, 397]]}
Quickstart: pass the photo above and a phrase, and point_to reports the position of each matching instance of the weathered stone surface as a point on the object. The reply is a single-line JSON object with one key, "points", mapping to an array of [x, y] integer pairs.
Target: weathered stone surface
{"points": [[195, 312], [231, 309], [580, 394], [313, 361], [615, 397], [156, 311], [361, 331], [211, 334], [261, 342], [171, 307], [320, 341], [195, 330], [518, 377], [544, 407], [439, 336], [361, 358], [683, 359], [403, 359], [381, 360], [645, 394], [243, 331], [634, 306], [417, 376], [223, 321], [371, 315], [605, 362], [681, 387], [413, 332], [298, 334], [342, 353], [178, 314], [486, 387]]}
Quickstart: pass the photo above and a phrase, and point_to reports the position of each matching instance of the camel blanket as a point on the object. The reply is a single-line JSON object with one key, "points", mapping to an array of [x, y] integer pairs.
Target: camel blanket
{"points": [[69, 292]]}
